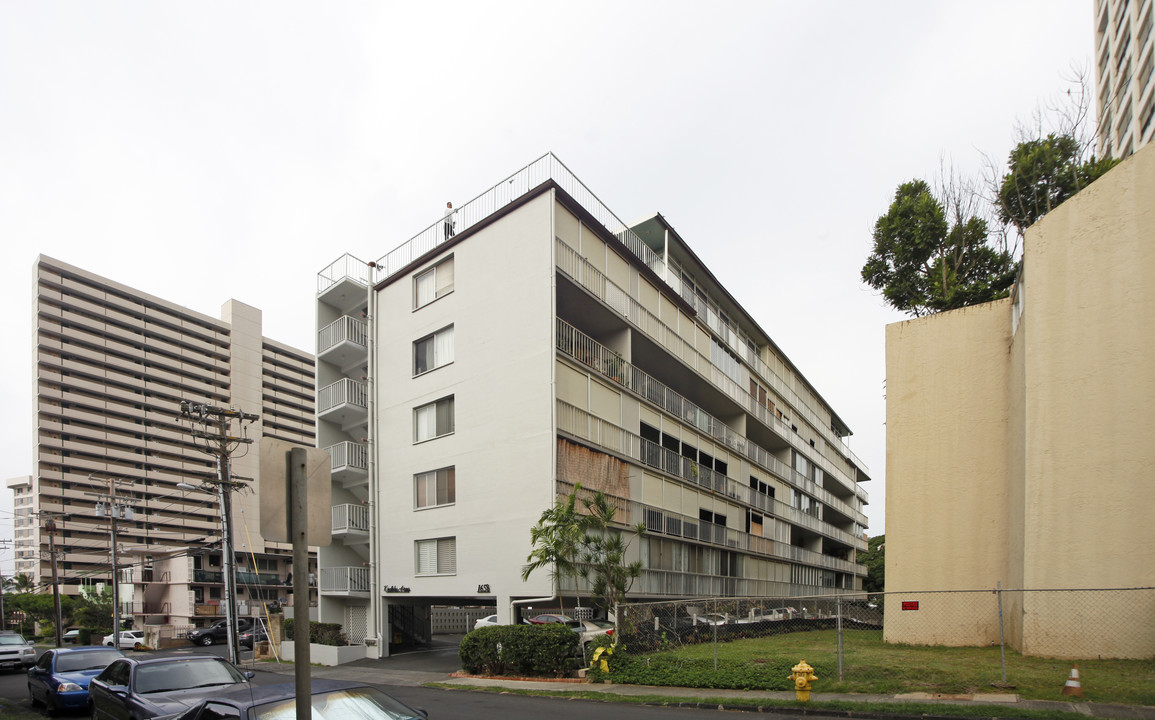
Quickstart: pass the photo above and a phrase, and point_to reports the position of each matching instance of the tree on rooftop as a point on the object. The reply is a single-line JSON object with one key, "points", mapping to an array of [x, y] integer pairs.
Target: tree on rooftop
{"points": [[925, 261]]}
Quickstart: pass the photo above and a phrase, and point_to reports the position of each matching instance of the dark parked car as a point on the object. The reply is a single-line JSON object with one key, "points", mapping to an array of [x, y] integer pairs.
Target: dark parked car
{"points": [[15, 653], [254, 635], [146, 688], [59, 679], [330, 699], [218, 632]]}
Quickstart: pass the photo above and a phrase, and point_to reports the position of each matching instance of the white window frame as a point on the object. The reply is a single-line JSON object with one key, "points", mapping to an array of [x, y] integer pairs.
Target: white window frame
{"points": [[425, 414], [440, 351], [434, 283], [435, 556], [432, 480]]}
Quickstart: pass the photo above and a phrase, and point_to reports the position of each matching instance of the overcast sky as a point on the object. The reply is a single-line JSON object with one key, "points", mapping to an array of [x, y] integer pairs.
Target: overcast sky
{"points": [[207, 151]]}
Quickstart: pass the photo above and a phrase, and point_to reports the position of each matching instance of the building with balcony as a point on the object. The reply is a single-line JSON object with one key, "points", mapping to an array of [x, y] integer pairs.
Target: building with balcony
{"points": [[469, 379], [1019, 441], [1125, 75], [112, 366]]}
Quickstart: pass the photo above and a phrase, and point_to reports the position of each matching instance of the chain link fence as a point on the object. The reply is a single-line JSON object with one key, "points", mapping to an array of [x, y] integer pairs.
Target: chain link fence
{"points": [[863, 641]]}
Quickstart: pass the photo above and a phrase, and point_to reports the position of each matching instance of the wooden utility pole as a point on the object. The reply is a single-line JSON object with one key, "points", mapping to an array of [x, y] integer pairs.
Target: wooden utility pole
{"points": [[50, 526], [211, 426]]}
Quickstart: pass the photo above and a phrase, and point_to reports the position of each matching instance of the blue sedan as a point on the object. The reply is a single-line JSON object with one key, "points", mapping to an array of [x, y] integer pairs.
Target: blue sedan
{"points": [[59, 679]]}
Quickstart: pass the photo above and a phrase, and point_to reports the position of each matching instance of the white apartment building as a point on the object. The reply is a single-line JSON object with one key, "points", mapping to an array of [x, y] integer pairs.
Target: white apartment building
{"points": [[476, 374], [1125, 75], [112, 366]]}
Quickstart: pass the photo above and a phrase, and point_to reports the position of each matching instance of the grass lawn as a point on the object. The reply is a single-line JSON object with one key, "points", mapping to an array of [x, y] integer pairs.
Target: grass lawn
{"points": [[871, 666]]}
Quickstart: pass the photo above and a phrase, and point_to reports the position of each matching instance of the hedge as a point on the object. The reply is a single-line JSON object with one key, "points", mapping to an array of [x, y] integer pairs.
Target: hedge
{"points": [[319, 633], [549, 650]]}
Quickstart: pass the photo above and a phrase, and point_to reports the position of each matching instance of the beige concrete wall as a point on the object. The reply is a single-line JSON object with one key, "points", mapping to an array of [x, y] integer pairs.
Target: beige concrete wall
{"points": [[1089, 459], [946, 469], [1028, 459]]}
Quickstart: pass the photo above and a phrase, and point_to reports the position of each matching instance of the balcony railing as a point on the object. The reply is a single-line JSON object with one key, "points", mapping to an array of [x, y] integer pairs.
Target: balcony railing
{"points": [[345, 580], [208, 576], [348, 455], [666, 522], [349, 517], [579, 423], [581, 271], [343, 330], [342, 392], [584, 349], [345, 267]]}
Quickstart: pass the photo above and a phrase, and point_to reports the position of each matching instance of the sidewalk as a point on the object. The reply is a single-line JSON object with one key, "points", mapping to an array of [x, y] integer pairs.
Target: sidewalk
{"points": [[388, 672]]}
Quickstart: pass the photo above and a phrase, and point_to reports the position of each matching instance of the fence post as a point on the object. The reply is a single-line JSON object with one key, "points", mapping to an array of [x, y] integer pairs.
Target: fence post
{"points": [[839, 606], [1002, 641], [715, 626]]}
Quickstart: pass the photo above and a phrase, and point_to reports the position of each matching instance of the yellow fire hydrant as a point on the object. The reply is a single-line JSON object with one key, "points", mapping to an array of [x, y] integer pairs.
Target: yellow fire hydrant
{"points": [[802, 675]]}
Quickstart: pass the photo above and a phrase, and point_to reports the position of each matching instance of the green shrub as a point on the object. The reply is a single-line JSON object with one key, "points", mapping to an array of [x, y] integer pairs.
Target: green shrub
{"points": [[319, 633], [629, 669], [530, 650]]}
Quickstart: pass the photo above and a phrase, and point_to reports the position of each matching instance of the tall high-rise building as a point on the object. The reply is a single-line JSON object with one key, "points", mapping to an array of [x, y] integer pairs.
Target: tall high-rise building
{"points": [[526, 344], [112, 367], [1125, 75]]}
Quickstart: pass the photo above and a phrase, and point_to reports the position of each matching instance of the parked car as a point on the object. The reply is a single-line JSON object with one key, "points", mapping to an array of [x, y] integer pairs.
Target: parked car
{"points": [[330, 699], [71, 637], [549, 618], [15, 652], [252, 636], [165, 685], [710, 619], [487, 621], [128, 639], [217, 632], [59, 679], [590, 629]]}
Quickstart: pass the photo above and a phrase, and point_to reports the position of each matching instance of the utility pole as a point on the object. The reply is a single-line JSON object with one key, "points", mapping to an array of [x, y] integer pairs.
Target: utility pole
{"points": [[211, 426], [50, 526], [110, 507], [3, 622]]}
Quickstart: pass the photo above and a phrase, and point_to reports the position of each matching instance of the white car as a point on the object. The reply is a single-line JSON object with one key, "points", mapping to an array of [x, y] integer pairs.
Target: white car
{"points": [[487, 621], [133, 639]]}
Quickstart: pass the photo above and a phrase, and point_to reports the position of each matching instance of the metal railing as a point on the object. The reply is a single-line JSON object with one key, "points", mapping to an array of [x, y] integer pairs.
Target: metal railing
{"points": [[344, 391], [345, 579], [665, 522], [345, 267], [348, 454], [589, 277], [343, 329], [590, 353], [348, 516]]}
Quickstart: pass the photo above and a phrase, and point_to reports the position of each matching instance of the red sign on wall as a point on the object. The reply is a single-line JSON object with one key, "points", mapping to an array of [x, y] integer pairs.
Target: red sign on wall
{"points": [[910, 605]]}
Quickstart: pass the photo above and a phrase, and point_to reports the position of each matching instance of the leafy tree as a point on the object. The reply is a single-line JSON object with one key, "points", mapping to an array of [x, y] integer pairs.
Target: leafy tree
{"points": [[1042, 174], [557, 540], [604, 554], [924, 262], [22, 583], [874, 558], [94, 609]]}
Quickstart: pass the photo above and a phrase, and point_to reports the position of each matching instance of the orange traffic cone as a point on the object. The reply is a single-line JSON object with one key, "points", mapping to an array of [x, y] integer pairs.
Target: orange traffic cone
{"points": [[1073, 687]]}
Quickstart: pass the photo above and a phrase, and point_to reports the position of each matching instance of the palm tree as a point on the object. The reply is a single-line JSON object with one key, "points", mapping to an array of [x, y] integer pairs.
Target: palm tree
{"points": [[604, 554], [22, 583], [557, 539]]}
